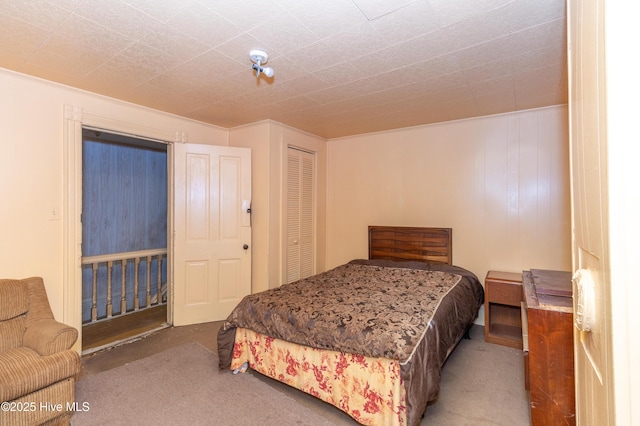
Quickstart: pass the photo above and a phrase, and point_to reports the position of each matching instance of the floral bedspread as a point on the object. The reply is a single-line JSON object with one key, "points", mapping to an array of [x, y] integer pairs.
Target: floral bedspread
{"points": [[409, 312], [370, 390]]}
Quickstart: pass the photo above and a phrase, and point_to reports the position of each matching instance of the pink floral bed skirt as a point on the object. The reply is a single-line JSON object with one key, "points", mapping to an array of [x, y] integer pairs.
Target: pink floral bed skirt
{"points": [[368, 389]]}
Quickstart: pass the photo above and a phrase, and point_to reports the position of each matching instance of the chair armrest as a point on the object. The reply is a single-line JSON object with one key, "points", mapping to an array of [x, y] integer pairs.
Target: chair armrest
{"points": [[48, 336]]}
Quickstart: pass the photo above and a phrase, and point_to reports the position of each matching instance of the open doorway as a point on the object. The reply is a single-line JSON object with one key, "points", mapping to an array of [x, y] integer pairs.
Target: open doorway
{"points": [[204, 284], [124, 238]]}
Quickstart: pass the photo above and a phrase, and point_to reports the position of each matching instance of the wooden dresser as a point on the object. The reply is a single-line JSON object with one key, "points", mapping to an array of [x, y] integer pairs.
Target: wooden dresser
{"points": [[548, 317]]}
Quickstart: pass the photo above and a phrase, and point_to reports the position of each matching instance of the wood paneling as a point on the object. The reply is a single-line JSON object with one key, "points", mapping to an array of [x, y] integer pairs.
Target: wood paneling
{"points": [[500, 182]]}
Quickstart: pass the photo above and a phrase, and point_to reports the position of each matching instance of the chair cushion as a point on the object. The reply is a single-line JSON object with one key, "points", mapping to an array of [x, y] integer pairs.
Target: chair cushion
{"points": [[24, 371], [12, 332], [14, 304], [14, 299]]}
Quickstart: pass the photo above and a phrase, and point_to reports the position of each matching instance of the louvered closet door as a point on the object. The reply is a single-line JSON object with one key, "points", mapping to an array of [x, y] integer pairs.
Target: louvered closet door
{"points": [[300, 217]]}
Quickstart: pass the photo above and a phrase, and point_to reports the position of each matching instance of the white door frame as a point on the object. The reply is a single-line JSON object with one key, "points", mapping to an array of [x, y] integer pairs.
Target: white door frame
{"points": [[74, 120]]}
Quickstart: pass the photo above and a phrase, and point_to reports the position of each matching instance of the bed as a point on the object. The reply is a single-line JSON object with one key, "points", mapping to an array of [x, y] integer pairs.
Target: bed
{"points": [[370, 336]]}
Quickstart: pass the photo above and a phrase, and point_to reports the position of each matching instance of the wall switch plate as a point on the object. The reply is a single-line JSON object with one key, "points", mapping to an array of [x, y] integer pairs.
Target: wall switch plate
{"points": [[54, 213]]}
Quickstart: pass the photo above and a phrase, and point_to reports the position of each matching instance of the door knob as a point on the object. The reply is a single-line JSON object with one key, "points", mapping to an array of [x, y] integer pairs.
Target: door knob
{"points": [[246, 246]]}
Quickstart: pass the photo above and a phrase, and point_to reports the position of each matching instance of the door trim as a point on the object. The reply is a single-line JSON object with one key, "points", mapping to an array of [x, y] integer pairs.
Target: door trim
{"points": [[74, 118]]}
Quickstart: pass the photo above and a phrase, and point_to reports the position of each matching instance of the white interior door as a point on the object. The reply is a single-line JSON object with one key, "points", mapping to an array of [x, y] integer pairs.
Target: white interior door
{"points": [[212, 231], [592, 293]]}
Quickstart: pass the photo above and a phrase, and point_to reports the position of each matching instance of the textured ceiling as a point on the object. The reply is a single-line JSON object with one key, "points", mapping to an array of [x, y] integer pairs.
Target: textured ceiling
{"points": [[342, 67]]}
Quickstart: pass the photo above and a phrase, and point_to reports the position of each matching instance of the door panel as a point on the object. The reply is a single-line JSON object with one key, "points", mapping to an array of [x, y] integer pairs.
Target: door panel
{"points": [[293, 216], [300, 256], [587, 93], [212, 269], [197, 273]]}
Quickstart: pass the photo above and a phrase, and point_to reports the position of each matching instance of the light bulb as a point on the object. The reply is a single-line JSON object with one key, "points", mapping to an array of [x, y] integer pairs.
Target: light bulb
{"points": [[259, 57]]}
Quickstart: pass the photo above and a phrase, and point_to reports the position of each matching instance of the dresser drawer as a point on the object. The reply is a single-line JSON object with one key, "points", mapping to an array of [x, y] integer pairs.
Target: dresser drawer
{"points": [[505, 293]]}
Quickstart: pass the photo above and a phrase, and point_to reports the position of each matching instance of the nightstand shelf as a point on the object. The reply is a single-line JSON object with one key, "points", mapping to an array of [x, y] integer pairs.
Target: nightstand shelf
{"points": [[502, 308]]}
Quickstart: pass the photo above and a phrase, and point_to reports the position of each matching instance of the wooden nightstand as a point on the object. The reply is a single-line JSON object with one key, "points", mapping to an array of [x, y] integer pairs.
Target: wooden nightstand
{"points": [[502, 308]]}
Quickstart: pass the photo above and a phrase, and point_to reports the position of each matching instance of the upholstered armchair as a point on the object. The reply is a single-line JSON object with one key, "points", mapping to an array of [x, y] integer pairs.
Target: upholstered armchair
{"points": [[38, 368]]}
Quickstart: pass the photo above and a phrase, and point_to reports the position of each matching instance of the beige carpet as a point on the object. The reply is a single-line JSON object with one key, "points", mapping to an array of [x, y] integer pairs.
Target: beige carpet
{"points": [[183, 386], [482, 385]]}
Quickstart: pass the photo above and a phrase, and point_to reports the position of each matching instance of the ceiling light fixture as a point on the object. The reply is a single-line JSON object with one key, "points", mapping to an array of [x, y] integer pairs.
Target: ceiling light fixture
{"points": [[260, 57]]}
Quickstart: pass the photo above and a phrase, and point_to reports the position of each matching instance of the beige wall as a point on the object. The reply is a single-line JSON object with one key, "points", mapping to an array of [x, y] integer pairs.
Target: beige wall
{"points": [[31, 169], [256, 137], [501, 182], [268, 141]]}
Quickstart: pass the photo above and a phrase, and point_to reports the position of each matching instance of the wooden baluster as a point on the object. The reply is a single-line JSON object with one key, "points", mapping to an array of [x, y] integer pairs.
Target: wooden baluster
{"points": [[109, 273], [136, 282], [159, 285], [94, 292], [148, 282], [138, 303], [123, 291]]}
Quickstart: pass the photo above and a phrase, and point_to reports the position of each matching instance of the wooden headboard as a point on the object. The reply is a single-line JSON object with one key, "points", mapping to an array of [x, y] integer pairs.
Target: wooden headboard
{"points": [[405, 243]]}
